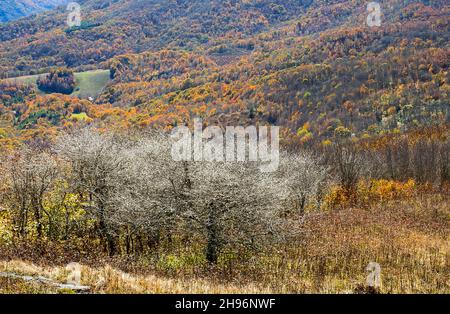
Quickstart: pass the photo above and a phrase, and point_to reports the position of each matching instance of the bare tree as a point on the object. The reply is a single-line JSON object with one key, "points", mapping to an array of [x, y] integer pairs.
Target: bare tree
{"points": [[151, 189], [97, 164], [305, 178], [349, 166], [132, 186], [230, 205], [30, 175], [443, 162]]}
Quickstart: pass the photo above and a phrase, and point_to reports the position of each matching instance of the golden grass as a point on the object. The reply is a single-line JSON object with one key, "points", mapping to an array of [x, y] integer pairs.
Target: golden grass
{"points": [[409, 238], [110, 280]]}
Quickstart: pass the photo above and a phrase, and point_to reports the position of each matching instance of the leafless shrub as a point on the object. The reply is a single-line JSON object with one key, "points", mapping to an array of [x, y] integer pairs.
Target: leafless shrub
{"points": [[98, 164], [348, 165], [305, 177], [227, 204], [29, 175], [443, 162]]}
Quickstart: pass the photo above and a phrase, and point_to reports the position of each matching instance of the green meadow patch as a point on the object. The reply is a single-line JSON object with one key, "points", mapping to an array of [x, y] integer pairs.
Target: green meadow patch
{"points": [[80, 116], [88, 84]]}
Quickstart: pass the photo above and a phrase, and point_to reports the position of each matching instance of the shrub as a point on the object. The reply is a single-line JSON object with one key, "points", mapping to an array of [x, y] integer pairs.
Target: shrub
{"points": [[370, 192]]}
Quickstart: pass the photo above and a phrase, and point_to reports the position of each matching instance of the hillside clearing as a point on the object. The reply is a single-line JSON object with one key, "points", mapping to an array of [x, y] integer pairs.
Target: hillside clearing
{"points": [[88, 84]]}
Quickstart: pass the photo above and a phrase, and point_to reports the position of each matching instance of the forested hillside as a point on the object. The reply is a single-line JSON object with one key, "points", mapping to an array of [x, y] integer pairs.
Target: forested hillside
{"points": [[314, 68]]}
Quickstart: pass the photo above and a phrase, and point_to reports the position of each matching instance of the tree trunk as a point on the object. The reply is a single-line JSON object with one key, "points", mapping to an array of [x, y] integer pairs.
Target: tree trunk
{"points": [[212, 246], [37, 217], [106, 235]]}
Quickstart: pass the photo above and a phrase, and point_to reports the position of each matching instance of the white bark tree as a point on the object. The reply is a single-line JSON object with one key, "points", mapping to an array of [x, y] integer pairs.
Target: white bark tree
{"points": [[133, 184], [98, 164], [30, 175], [305, 179]]}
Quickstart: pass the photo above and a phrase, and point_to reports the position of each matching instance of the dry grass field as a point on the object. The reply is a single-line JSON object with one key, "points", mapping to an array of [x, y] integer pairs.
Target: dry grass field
{"points": [[409, 238]]}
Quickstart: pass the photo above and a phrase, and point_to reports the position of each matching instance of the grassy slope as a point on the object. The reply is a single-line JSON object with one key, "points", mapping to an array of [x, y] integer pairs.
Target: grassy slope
{"points": [[106, 279], [408, 237], [89, 84]]}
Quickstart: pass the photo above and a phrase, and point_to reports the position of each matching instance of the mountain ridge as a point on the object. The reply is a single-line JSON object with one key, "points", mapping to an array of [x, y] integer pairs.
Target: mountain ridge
{"points": [[11, 10]]}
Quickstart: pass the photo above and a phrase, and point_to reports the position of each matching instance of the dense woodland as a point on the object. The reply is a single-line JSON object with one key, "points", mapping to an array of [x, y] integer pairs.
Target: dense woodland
{"points": [[364, 119], [341, 78]]}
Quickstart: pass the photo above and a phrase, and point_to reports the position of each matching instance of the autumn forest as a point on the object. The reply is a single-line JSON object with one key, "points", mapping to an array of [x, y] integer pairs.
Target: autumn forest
{"points": [[88, 184]]}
